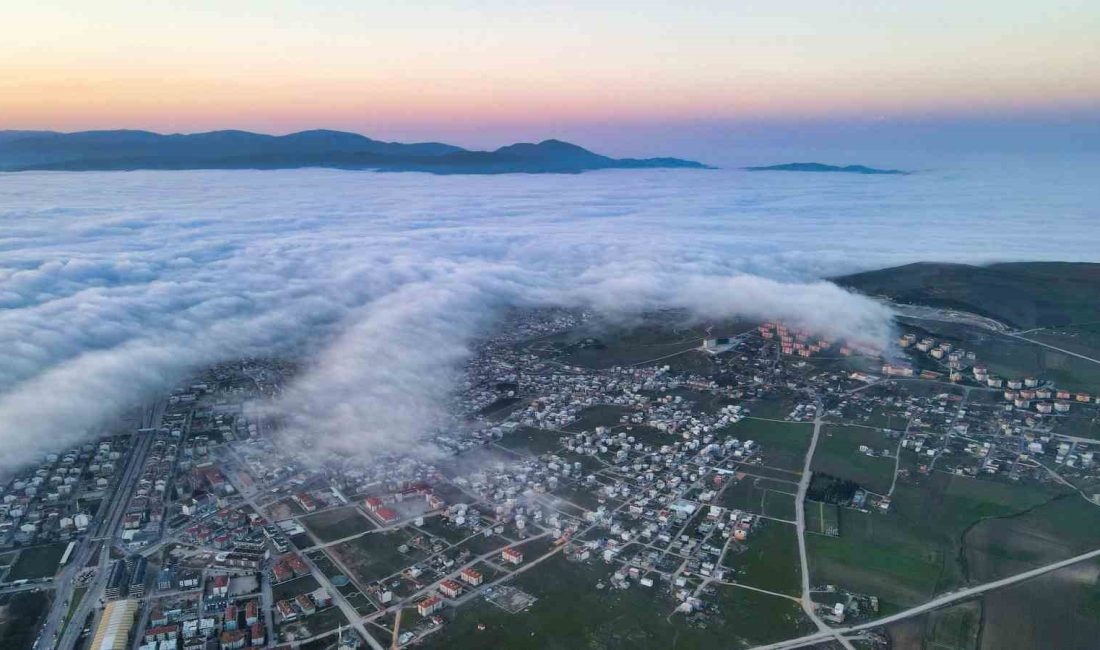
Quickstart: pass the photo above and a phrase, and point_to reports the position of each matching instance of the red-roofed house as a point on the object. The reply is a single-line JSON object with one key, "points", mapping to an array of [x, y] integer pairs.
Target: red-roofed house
{"points": [[429, 605]]}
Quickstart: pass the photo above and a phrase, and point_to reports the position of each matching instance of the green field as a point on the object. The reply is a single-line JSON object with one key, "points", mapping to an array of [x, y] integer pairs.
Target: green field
{"points": [[913, 552], [772, 407], [37, 562], [1052, 531], [1022, 294], [879, 555], [21, 614], [820, 517], [309, 626], [837, 454], [531, 440], [336, 524], [597, 416], [571, 613], [744, 495], [779, 505], [292, 588], [954, 628], [783, 444], [623, 346], [771, 560], [375, 556], [1082, 339]]}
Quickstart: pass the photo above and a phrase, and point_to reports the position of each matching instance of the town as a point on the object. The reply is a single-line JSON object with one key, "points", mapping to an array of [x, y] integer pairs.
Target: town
{"points": [[678, 472]]}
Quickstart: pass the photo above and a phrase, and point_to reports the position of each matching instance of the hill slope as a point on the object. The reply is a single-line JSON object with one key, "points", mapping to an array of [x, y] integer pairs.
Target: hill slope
{"points": [[1022, 294], [127, 150], [821, 167]]}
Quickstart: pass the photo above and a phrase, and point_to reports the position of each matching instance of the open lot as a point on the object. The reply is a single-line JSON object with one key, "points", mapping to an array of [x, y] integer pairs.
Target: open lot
{"points": [[1054, 530], [770, 560], [310, 626], [292, 588], [572, 613], [838, 454], [1058, 610], [37, 562], [531, 440], [780, 505], [375, 556], [783, 444], [597, 416], [21, 614], [337, 523], [914, 552]]}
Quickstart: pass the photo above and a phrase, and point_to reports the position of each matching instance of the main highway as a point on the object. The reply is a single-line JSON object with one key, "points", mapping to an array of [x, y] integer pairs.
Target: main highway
{"points": [[103, 530]]}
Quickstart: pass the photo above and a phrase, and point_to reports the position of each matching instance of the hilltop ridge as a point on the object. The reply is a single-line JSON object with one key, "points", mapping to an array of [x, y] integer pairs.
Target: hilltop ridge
{"points": [[121, 150]]}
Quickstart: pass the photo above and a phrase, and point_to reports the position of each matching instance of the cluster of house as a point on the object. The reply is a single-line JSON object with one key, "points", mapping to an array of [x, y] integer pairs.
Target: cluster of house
{"points": [[176, 624], [238, 529], [453, 588], [497, 362], [288, 567], [292, 609], [799, 341], [384, 507], [145, 512], [42, 503], [240, 627]]}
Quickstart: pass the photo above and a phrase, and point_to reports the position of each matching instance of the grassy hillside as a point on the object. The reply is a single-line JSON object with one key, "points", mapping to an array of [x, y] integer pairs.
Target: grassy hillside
{"points": [[1022, 294]]}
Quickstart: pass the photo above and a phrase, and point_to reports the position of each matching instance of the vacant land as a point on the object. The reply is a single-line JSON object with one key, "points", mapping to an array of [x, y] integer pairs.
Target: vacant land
{"points": [[821, 518], [572, 613], [915, 551], [880, 555], [531, 440], [597, 416], [37, 562], [292, 588], [771, 560], [603, 347], [760, 496], [375, 556], [838, 454], [310, 626], [1082, 339], [954, 628], [336, 524], [20, 616], [779, 505], [1058, 610], [783, 444], [1060, 528]]}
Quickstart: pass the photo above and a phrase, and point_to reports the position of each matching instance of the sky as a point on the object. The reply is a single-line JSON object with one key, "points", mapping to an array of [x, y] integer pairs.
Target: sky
{"points": [[113, 286], [631, 78]]}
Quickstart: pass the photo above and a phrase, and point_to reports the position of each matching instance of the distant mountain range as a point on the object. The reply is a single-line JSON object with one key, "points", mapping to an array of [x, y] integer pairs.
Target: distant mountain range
{"points": [[820, 167], [130, 150]]}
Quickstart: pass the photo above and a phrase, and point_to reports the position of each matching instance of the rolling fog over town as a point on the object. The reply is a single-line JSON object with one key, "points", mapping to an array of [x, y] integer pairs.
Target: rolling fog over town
{"points": [[176, 269]]}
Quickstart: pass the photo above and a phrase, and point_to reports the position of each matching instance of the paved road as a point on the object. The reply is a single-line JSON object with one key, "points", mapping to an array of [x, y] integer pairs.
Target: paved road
{"points": [[800, 522], [1047, 345], [924, 312], [935, 603], [108, 523]]}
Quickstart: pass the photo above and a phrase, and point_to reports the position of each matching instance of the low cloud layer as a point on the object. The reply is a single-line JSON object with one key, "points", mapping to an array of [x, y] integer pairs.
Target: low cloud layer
{"points": [[113, 286]]}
